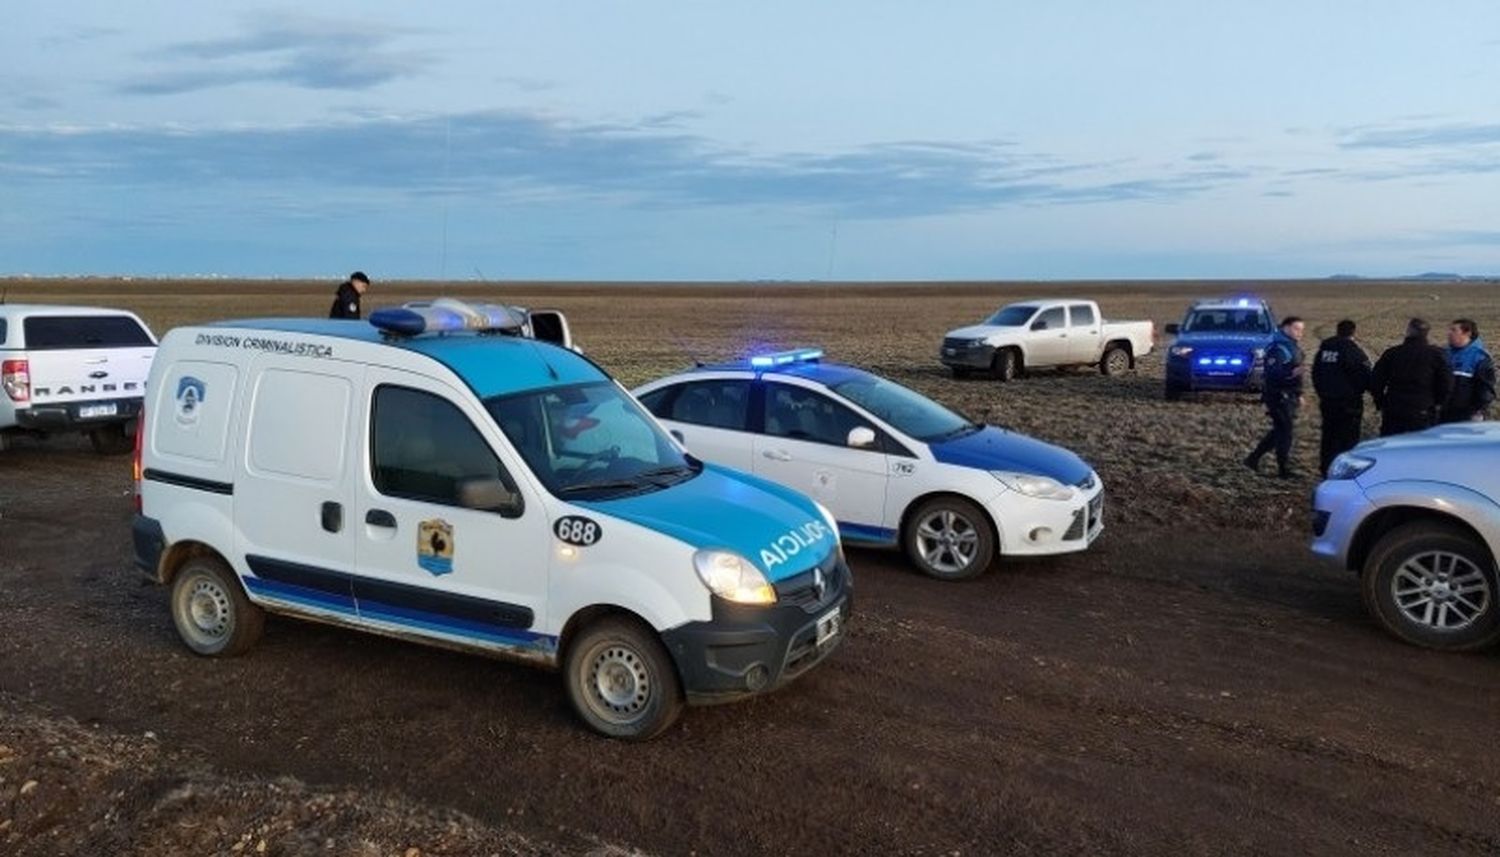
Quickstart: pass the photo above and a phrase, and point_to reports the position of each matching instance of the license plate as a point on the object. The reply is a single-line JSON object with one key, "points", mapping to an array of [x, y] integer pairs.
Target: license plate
{"points": [[89, 412], [828, 628]]}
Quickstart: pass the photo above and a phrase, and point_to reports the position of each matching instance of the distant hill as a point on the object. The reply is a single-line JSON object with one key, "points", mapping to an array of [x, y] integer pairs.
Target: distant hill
{"points": [[1425, 277]]}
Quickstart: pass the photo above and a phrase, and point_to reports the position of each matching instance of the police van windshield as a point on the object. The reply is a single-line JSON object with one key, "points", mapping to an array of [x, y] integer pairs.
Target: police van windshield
{"points": [[590, 441], [1012, 316], [909, 412], [1229, 320]]}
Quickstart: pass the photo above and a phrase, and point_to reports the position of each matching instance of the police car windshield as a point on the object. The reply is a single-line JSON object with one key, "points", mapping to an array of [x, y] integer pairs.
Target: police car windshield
{"points": [[1012, 316], [590, 441], [909, 412], [1227, 320]]}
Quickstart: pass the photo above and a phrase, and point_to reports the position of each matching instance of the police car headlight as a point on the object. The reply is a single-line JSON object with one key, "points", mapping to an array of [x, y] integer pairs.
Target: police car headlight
{"points": [[1041, 487], [732, 577], [1349, 466], [1181, 350]]}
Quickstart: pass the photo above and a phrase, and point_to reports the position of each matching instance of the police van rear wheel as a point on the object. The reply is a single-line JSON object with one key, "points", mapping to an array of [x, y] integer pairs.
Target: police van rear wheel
{"points": [[210, 610], [621, 680], [1435, 586], [950, 539]]}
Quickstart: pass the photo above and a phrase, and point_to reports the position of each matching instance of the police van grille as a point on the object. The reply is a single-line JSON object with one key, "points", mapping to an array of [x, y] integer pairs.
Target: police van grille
{"points": [[801, 591]]}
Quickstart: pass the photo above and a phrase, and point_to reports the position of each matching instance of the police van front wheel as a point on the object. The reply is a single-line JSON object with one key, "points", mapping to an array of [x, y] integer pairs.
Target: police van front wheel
{"points": [[1435, 586], [621, 680], [210, 610], [949, 538]]}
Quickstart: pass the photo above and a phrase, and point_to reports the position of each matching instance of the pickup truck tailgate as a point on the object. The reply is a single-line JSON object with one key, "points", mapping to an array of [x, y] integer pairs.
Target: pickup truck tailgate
{"points": [[80, 358]]}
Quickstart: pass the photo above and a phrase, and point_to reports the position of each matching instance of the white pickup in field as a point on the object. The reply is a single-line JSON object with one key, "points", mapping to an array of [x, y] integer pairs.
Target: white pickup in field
{"points": [[1039, 334]]}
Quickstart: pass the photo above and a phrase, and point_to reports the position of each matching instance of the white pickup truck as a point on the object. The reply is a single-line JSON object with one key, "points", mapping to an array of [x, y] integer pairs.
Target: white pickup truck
{"points": [[1036, 334], [65, 368]]}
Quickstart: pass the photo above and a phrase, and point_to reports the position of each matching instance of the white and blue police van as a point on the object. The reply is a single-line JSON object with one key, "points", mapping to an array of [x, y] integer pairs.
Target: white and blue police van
{"points": [[894, 467], [436, 476]]}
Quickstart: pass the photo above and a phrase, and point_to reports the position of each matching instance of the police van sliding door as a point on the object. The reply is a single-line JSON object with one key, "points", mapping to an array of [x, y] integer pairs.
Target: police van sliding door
{"points": [[449, 545], [804, 445], [294, 492]]}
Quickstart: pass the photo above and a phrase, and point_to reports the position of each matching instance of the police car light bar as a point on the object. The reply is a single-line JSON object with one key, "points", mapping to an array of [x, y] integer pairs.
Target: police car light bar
{"points": [[782, 358], [445, 315]]}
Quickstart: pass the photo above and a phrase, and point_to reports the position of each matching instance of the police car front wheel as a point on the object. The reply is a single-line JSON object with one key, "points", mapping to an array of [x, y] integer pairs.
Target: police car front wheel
{"points": [[621, 680], [210, 610], [950, 538]]}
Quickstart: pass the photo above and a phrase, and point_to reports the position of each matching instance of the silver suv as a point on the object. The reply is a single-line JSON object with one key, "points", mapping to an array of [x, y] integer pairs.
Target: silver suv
{"points": [[1418, 517]]}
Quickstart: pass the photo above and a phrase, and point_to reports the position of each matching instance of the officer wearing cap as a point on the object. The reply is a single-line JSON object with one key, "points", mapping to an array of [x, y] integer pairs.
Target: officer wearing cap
{"points": [[1341, 375], [346, 302], [1281, 390], [1473, 374], [1410, 382]]}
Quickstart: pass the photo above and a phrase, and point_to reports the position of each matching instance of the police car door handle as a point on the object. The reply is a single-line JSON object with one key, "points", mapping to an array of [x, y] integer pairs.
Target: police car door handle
{"points": [[333, 516], [380, 518], [777, 454]]}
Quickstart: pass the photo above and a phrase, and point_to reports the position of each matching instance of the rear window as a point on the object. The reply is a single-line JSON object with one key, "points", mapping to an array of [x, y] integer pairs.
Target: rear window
{"points": [[56, 332]]}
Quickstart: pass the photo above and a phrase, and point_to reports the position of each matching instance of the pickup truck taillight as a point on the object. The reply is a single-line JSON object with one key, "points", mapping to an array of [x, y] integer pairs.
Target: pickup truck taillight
{"points": [[15, 377], [135, 467]]}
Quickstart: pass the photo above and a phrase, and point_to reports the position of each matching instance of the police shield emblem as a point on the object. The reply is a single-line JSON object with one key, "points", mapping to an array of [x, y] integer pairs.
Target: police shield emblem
{"points": [[435, 546], [189, 399]]}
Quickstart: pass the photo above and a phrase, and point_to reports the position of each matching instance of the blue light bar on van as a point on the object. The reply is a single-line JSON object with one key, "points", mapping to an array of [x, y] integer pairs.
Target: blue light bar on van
{"points": [[782, 358], [445, 315]]}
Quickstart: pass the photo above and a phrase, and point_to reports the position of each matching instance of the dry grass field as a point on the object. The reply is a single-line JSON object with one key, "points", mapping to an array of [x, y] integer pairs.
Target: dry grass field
{"points": [[1194, 684]]}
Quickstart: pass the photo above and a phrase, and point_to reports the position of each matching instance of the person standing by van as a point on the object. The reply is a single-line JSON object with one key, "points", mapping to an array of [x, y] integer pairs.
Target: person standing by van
{"points": [[1473, 374], [1410, 382], [1341, 375], [346, 302]]}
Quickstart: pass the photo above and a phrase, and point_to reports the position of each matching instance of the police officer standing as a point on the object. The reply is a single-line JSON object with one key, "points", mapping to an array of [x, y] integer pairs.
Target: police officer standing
{"points": [[1410, 381], [346, 302], [1341, 375], [1473, 374], [1281, 390]]}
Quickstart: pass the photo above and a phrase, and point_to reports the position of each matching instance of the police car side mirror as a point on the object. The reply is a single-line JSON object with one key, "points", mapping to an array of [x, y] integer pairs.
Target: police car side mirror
{"points": [[861, 437], [489, 495], [1172, 329]]}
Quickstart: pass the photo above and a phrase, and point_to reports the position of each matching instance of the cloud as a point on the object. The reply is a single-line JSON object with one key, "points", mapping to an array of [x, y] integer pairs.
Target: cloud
{"points": [[515, 155], [1420, 136], [303, 51]]}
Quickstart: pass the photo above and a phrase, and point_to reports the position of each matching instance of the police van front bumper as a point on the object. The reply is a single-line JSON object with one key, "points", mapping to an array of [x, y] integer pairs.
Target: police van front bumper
{"points": [[78, 416], [745, 650]]}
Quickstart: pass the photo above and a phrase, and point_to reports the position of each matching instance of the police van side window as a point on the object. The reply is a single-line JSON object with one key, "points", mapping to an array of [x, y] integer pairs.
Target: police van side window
{"points": [[797, 413], [715, 404], [422, 447]]}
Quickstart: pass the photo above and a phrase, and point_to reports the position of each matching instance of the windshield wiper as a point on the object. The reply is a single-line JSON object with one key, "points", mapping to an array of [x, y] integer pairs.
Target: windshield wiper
{"points": [[967, 428], [603, 485]]}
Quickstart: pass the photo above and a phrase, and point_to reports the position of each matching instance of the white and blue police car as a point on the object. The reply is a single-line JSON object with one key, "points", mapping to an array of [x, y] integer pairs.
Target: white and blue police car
{"points": [[425, 475], [894, 467]]}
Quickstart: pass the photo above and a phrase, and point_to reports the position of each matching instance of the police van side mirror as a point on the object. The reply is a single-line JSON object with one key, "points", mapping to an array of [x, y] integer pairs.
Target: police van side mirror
{"points": [[489, 495], [1172, 329], [861, 437]]}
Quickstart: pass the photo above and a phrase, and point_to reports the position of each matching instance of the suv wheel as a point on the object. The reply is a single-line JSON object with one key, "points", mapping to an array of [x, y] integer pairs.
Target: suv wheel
{"points": [[949, 538], [1175, 392], [210, 610], [1006, 365], [621, 680], [1116, 361], [1433, 585]]}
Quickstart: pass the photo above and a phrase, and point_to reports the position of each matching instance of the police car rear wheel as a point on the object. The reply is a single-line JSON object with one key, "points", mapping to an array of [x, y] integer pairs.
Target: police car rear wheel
{"points": [[1434, 586], [950, 539], [621, 681], [211, 612]]}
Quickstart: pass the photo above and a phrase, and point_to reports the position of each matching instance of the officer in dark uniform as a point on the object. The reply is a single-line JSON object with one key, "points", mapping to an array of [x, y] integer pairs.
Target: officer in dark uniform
{"points": [[1341, 375], [1410, 382], [1473, 374], [346, 302], [1281, 390]]}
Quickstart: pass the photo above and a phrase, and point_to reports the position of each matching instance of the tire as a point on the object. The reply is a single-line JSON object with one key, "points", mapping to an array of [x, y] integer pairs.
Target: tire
{"points": [[1116, 361], [1433, 585], [969, 552], [621, 681], [1006, 365], [959, 372], [112, 440], [1175, 392], [209, 608]]}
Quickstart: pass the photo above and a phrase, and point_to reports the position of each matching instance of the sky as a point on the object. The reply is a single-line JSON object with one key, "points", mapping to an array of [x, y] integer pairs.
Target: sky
{"points": [[778, 140]]}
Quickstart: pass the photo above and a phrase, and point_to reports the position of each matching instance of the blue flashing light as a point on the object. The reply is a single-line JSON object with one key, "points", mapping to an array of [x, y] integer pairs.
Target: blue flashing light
{"points": [[1238, 361], [445, 315], [783, 358], [1244, 302], [1205, 361]]}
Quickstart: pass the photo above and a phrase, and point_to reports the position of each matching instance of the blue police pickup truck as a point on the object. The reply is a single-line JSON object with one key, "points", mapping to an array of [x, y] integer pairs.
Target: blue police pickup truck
{"points": [[1220, 345]]}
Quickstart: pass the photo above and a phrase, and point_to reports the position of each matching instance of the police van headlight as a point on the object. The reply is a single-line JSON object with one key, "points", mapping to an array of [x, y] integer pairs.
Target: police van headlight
{"points": [[1181, 350], [732, 577], [1349, 466], [1041, 487]]}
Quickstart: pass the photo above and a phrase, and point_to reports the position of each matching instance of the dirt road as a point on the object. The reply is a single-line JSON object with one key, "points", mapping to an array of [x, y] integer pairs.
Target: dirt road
{"points": [[1194, 693]]}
